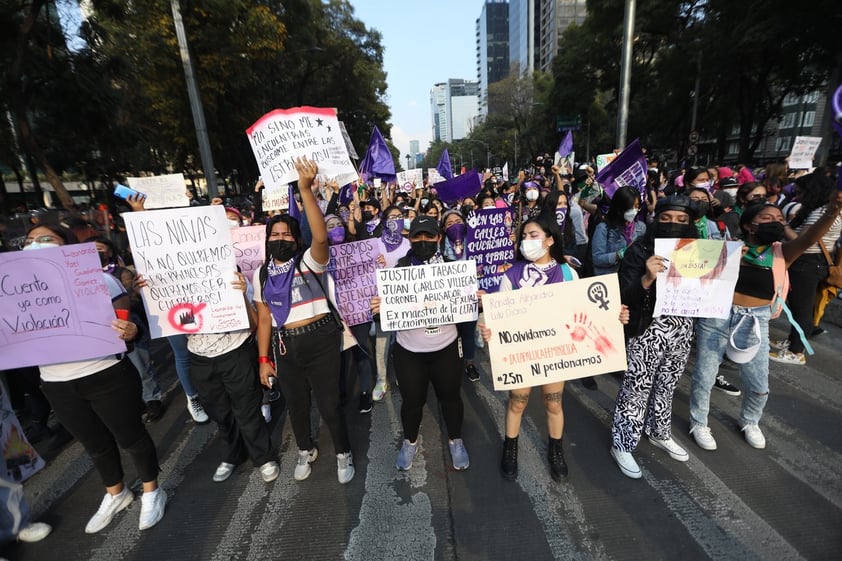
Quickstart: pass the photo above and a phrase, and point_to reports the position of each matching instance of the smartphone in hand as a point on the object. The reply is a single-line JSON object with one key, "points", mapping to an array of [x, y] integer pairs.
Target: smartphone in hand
{"points": [[125, 192]]}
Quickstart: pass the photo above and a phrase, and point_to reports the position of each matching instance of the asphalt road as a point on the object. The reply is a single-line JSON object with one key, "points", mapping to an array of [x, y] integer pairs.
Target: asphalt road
{"points": [[784, 502]]}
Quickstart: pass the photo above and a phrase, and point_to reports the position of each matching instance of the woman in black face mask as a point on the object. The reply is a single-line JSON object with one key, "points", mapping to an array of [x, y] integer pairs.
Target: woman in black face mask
{"points": [[760, 284], [657, 349], [297, 329], [425, 356]]}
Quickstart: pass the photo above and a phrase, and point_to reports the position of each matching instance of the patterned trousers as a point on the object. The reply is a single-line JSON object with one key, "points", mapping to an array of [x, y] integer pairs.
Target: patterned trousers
{"points": [[656, 360]]}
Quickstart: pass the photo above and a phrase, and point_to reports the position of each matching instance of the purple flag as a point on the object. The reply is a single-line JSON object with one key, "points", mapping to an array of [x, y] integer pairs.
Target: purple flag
{"points": [[293, 206], [566, 145], [378, 160], [346, 194], [629, 168], [466, 185], [444, 168]]}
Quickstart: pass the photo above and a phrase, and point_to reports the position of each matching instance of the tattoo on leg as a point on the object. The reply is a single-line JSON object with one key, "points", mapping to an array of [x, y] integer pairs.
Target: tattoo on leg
{"points": [[519, 397], [555, 396]]}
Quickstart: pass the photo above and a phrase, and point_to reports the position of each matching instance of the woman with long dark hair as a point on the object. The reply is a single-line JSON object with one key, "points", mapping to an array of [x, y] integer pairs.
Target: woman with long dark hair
{"points": [[810, 268], [298, 337], [617, 231]]}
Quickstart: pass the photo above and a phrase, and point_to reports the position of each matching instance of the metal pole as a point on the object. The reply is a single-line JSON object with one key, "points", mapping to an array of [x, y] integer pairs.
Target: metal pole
{"points": [[625, 73], [195, 102], [696, 92]]}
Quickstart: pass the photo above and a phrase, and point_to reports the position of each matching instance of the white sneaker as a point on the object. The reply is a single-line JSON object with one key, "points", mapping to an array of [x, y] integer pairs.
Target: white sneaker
{"points": [[196, 410], [344, 467], [671, 447], [108, 508], [152, 504], [266, 411], [703, 437], [780, 345], [223, 472], [270, 471], [380, 390], [754, 436], [34, 532], [305, 458], [625, 461]]}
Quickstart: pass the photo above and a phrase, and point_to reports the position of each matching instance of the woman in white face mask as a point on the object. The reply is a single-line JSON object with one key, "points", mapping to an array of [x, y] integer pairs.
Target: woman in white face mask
{"points": [[617, 231]]}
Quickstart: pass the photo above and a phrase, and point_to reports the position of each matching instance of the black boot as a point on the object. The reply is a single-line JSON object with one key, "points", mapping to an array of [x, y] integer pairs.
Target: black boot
{"points": [[508, 464], [555, 453]]}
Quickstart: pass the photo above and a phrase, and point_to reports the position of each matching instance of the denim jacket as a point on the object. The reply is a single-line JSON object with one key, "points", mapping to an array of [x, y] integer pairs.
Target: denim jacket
{"points": [[606, 242]]}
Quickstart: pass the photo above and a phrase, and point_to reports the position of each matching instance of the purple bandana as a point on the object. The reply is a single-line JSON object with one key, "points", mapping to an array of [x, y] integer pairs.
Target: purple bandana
{"points": [[277, 292], [392, 238], [524, 274]]}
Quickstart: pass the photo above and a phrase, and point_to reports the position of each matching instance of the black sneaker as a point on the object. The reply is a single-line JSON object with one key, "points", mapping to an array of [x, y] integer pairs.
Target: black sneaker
{"points": [[725, 386], [365, 402], [154, 411], [555, 454], [589, 383], [472, 372], [817, 331]]}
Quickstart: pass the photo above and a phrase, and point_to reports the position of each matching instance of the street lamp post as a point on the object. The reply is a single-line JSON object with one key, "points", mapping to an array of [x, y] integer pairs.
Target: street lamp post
{"points": [[407, 162]]}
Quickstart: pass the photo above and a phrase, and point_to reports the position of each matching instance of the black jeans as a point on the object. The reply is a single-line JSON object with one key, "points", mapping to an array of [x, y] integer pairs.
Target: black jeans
{"points": [[415, 373], [229, 387], [362, 354], [311, 362], [805, 274], [102, 411]]}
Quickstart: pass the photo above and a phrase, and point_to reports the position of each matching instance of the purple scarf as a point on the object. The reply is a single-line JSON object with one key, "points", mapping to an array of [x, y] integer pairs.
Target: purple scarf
{"points": [[628, 231], [277, 292], [524, 274]]}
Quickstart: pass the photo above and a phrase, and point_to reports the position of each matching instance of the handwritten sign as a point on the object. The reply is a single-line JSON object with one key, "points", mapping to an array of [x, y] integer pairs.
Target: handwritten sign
{"points": [[803, 150], [556, 332], [187, 259], [348, 144], [433, 176], [700, 279], [282, 135], [603, 160], [354, 270], [427, 295], [54, 307], [276, 198], [490, 245], [249, 248], [413, 176], [162, 191]]}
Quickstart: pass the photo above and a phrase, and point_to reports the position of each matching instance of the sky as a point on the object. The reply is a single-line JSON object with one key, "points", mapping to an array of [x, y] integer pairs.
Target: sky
{"points": [[425, 42]]}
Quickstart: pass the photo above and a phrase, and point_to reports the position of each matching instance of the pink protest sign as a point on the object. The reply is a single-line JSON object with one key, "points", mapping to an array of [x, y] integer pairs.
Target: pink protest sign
{"points": [[54, 307], [249, 248]]}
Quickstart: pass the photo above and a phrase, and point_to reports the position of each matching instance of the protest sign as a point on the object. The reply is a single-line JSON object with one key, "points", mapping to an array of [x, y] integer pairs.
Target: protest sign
{"points": [[628, 168], [427, 295], [22, 460], [54, 307], [603, 160], [162, 191], [433, 176], [414, 176], [562, 331], [249, 245], [700, 278], [490, 245], [353, 267], [803, 150], [349, 146], [282, 135], [187, 259], [275, 198]]}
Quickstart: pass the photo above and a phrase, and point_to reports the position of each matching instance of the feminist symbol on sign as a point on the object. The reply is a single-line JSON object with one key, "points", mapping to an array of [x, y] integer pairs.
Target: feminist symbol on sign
{"points": [[186, 317], [598, 293]]}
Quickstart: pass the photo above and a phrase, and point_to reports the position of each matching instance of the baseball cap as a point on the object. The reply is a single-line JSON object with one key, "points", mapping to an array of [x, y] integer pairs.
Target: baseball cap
{"points": [[424, 224]]}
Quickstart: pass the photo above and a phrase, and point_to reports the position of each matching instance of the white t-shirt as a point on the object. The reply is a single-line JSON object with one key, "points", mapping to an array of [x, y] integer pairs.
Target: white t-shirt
{"points": [[64, 371], [308, 299]]}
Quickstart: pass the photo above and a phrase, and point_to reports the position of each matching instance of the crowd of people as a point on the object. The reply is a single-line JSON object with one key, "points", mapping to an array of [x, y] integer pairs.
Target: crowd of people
{"points": [[565, 226]]}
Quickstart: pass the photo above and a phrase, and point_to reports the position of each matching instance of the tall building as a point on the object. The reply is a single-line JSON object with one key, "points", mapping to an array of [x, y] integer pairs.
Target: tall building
{"points": [[453, 105], [535, 29], [492, 48], [414, 145]]}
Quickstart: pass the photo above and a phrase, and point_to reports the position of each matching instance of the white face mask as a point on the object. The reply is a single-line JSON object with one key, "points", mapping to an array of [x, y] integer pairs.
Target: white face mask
{"points": [[532, 195], [630, 214], [234, 223], [533, 250], [37, 245], [706, 185]]}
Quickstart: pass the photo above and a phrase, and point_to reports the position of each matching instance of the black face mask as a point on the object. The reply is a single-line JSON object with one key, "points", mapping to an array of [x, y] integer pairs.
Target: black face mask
{"points": [[282, 250], [466, 209], [769, 232], [702, 208], [674, 230], [423, 250], [367, 216]]}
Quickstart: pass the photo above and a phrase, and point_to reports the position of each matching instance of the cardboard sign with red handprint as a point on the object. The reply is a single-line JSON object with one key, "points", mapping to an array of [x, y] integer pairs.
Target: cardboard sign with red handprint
{"points": [[556, 332]]}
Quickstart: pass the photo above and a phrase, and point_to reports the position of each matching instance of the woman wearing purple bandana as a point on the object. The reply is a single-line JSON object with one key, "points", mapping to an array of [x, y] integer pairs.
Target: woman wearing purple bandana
{"points": [[297, 332], [540, 260]]}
